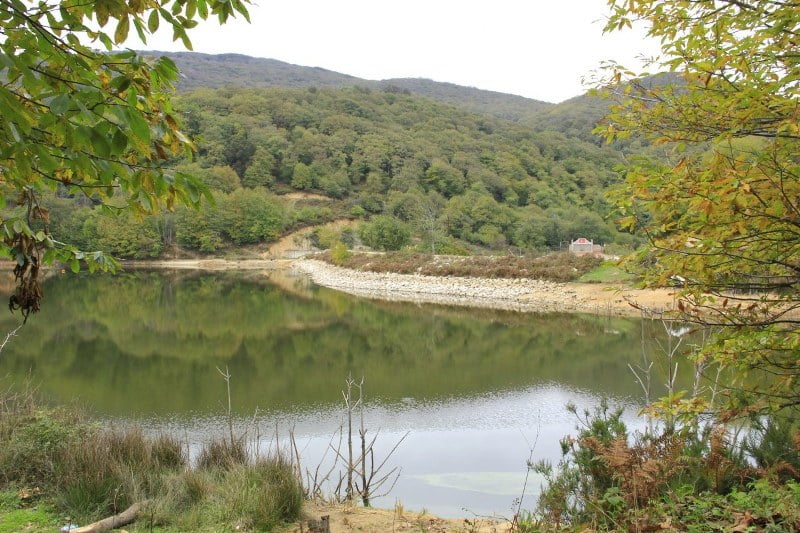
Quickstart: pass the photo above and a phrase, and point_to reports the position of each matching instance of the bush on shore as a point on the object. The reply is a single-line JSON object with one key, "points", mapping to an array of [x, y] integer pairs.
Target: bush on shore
{"points": [[683, 479]]}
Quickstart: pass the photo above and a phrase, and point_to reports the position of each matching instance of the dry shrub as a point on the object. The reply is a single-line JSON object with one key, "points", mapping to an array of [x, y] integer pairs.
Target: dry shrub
{"points": [[644, 469], [90, 481], [168, 452], [222, 454], [560, 267]]}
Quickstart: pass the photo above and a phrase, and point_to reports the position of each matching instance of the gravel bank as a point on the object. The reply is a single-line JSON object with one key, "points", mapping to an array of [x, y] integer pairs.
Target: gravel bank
{"points": [[509, 294]]}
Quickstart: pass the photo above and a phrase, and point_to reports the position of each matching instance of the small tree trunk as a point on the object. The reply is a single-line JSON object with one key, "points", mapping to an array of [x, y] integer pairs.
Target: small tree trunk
{"points": [[112, 522]]}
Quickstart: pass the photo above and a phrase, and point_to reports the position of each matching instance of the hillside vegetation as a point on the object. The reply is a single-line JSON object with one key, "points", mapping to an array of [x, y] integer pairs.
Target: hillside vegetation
{"points": [[424, 173]]}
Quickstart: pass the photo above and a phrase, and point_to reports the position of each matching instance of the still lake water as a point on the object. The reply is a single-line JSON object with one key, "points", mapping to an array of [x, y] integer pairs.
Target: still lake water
{"points": [[474, 389]]}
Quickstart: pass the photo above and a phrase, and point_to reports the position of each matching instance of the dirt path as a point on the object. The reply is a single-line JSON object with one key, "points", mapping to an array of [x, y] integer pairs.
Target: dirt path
{"points": [[306, 196], [296, 244]]}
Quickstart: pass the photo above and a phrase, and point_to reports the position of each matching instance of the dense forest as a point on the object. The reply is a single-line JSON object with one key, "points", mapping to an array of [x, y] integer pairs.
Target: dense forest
{"points": [[412, 170]]}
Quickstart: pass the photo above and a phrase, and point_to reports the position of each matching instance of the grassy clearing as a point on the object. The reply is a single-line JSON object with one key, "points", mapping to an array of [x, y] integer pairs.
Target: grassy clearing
{"points": [[70, 467], [561, 267], [21, 511], [606, 272]]}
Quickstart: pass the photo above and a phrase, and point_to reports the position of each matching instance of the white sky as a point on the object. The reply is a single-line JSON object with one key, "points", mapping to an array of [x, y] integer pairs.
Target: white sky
{"points": [[535, 48]]}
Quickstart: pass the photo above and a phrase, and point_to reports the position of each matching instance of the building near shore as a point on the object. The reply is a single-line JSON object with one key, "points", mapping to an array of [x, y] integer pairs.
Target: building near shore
{"points": [[583, 245]]}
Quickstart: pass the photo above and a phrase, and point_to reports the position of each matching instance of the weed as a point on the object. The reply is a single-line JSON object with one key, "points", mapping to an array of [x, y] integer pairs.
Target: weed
{"points": [[222, 454], [168, 452]]}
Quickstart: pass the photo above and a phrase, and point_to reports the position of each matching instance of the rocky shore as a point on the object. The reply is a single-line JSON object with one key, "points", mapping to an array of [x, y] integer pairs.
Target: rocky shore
{"points": [[523, 295]]}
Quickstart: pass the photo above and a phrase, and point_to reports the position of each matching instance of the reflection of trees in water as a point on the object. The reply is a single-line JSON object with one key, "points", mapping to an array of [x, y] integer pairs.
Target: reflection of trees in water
{"points": [[148, 342]]}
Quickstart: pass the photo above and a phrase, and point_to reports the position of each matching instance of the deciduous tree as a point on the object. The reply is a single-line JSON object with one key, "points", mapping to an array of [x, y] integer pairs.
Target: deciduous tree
{"points": [[724, 214], [78, 114]]}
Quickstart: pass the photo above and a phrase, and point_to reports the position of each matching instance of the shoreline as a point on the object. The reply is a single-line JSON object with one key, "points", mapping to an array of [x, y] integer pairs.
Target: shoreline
{"points": [[520, 295]]}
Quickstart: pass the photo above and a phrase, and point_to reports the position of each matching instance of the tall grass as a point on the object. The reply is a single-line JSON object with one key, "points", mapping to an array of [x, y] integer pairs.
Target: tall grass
{"points": [[89, 472]]}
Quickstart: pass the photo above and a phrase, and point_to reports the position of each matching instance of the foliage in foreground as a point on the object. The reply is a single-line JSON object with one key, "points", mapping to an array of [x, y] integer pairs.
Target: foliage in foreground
{"points": [[96, 123], [53, 463], [688, 479], [723, 214]]}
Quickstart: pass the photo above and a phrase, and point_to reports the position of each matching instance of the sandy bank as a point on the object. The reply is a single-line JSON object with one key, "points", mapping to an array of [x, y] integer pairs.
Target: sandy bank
{"points": [[344, 518], [523, 295]]}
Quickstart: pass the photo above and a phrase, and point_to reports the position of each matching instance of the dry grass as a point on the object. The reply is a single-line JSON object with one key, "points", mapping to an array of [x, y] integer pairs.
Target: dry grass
{"points": [[561, 267], [88, 472], [222, 454]]}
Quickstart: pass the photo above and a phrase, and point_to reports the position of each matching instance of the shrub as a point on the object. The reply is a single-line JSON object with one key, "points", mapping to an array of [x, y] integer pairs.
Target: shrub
{"points": [[553, 267], [340, 254], [264, 495], [89, 480], [168, 452], [774, 443], [384, 233], [30, 441]]}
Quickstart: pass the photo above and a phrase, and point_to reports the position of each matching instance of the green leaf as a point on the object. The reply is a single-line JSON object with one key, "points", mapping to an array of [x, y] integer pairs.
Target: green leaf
{"points": [[138, 125], [60, 104], [122, 30], [137, 23], [119, 142], [75, 265], [100, 143], [106, 40], [153, 20]]}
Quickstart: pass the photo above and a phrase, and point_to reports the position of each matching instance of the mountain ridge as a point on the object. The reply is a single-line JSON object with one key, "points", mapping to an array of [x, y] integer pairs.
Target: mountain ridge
{"points": [[233, 70]]}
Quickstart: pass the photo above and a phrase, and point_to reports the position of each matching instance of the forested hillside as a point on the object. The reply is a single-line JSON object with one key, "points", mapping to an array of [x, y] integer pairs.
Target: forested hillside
{"points": [[575, 117], [416, 171], [578, 116]]}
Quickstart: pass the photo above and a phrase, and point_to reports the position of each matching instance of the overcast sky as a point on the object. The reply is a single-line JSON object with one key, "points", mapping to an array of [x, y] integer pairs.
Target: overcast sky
{"points": [[535, 48]]}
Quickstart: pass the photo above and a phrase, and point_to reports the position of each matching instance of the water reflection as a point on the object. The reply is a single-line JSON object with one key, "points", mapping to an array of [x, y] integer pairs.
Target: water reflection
{"points": [[461, 456], [476, 388]]}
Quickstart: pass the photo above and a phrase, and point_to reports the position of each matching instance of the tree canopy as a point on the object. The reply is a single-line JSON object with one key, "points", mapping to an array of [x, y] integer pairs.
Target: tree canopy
{"points": [[723, 214], [94, 122]]}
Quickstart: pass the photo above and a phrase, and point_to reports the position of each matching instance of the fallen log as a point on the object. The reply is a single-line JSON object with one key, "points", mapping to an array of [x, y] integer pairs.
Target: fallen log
{"points": [[112, 522]]}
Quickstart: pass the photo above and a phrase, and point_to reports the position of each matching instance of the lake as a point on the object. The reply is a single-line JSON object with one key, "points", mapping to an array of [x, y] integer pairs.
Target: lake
{"points": [[476, 390]]}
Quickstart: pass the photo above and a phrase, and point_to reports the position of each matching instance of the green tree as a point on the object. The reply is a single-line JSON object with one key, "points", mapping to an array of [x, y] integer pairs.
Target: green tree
{"points": [[302, 177], [249, 216], [444, 178], [97, 122], [384, 233], [724, 215], [259, 173]]}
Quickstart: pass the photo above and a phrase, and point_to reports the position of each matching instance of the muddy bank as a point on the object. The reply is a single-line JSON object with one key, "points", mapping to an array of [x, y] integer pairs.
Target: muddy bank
{"points": [[345, 518], [523, 295]]}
